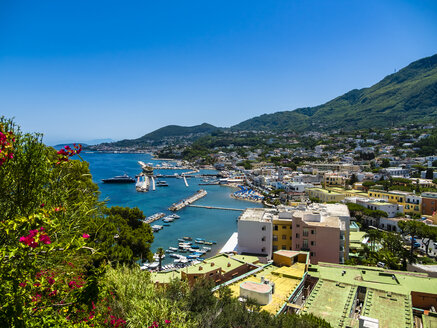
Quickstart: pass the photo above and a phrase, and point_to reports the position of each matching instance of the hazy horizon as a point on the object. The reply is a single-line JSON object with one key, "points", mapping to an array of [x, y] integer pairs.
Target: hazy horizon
{"points": [[81, 71]]}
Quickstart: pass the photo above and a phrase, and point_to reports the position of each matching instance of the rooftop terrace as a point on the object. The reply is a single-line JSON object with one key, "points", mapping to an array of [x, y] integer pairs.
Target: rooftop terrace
{"points": [[286, 279]]}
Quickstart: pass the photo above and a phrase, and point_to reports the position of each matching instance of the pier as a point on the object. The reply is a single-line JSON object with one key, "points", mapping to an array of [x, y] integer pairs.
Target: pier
{"points": [[153, 183], [217, 208], [185, 181], [154, 218], [185, 202]]}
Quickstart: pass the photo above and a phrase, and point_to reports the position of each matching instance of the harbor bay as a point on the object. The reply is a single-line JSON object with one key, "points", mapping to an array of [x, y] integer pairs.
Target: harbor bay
{"points": [[209, 222]]}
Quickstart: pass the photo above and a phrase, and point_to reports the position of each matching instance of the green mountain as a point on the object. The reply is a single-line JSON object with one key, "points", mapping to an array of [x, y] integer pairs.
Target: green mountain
{"points": [[168, 132], [410, 95]]}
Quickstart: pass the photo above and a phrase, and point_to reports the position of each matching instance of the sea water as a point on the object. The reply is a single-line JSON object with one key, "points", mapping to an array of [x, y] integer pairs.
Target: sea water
{"points": [[209, 224]]}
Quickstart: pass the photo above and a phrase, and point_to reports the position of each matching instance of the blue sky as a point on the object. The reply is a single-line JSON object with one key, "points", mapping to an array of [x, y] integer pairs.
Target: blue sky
{"points": [[79, 70]]}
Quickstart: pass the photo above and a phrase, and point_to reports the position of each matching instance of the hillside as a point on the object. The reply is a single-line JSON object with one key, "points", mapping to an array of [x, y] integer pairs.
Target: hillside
{"points": [[410, 95], [166, 133]]}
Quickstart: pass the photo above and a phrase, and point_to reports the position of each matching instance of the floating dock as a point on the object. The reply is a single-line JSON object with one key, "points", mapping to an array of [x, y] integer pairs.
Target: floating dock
{"points": [[180, 205]]}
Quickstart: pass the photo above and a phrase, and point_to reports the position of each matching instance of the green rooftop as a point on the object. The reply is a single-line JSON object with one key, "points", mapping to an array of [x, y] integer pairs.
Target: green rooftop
{"points": [[376, 278], [165, 277], [392, 310], [222, 261], [246, 258], [331, 301]]}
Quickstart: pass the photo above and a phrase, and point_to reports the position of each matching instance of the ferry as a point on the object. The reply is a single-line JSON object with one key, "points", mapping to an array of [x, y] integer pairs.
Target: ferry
{"points": [[119, 179]]}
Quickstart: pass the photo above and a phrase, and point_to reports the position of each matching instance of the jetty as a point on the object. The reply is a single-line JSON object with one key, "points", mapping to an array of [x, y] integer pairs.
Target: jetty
{"points": [[185, 181], [154, 217], [217, 208], [143, 183], [153, 183], [185, 202]]}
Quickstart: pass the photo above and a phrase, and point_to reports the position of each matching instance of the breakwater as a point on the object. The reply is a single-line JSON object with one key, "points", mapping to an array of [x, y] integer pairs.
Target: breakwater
{"points": [[180, 205]]}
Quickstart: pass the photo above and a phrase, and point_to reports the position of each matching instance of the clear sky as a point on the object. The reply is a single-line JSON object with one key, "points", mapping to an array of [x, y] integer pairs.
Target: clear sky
{"points": [[85, 69]]}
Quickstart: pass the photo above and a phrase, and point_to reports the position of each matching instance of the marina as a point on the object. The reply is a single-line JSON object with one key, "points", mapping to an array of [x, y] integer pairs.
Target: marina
{"points": [[197, 222]]}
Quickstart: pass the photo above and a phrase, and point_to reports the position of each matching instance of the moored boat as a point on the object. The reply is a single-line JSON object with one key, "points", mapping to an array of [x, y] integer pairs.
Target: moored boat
{"points": [[119, 179]]}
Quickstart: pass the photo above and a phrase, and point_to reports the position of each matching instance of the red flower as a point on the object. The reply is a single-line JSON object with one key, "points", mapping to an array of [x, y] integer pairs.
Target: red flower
{"points": [[167, 321], [22, 284], [85, 235]]}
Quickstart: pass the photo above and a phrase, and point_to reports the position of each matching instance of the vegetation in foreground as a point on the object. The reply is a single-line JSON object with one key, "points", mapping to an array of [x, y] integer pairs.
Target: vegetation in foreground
{"points": [[68, 260]]}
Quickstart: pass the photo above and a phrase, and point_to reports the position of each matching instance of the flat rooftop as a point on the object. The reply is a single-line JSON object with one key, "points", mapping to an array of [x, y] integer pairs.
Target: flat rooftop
{"points": [[377, 278], [286, 279], [258, 214], [331, 301], [222, 261], [165, 277]]}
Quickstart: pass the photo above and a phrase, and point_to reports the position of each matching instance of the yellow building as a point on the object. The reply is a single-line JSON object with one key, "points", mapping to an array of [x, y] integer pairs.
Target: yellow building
{"points": [[333, 179], [325, 195], [349, 192], [411, 203], [282, 232]]}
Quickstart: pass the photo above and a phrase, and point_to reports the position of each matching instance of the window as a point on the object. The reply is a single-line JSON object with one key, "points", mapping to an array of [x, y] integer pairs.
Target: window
{"points": [[297, 235], [305, 243], [305, 232], [275, 228], [313, 253], [275, 238], [298, 225], [275, 248], [284, 227], [291, 227], [297, 246], [284, 247], [313, 243], [263, 238], [313, 232], [263, 250], [263, 228], [284, 237]]}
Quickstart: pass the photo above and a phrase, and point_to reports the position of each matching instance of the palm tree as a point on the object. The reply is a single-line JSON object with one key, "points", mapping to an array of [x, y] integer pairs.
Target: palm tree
{"points": [[160, 252]]}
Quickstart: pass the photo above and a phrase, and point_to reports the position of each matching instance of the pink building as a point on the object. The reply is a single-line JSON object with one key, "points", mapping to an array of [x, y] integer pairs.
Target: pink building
{"points": [[323, 231]]}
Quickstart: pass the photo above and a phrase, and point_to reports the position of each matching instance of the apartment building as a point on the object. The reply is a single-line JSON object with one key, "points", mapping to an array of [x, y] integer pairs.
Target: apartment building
{"points": [[323, 231]]}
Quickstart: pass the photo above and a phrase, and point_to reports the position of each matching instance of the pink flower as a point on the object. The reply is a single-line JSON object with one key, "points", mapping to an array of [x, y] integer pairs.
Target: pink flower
{"points": [[167, 321], [51, 281], [22, 284], [33, 233], [42, 205], [45, 239], [85, 235]]}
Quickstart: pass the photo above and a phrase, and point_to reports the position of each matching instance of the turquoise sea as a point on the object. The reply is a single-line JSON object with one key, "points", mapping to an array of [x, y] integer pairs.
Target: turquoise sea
{"points": [[217, 225]]}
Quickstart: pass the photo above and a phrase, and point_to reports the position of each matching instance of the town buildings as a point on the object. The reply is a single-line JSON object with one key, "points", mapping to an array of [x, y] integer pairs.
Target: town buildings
{"points": [[320, 229]]}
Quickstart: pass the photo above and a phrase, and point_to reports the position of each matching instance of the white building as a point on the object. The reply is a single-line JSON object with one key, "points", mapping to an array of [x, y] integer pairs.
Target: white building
{"points": [[381, 205], [255, 230]]}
